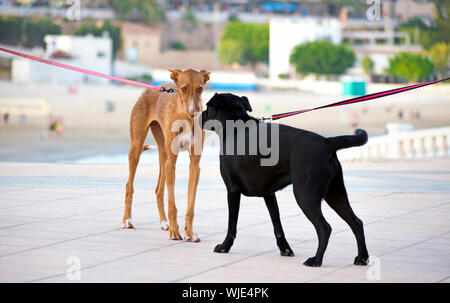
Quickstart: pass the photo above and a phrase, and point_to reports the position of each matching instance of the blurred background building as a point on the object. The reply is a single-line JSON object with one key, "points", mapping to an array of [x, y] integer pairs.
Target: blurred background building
{"points": [[87, 52], [156, 35]]}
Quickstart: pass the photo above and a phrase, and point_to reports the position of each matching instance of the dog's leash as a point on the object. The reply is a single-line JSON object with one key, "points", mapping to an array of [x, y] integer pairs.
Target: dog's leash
{"points": [[354, 100], [88, 72]]}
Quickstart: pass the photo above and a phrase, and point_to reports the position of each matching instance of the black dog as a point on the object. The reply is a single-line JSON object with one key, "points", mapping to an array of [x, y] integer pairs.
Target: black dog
{"points": [[306, 160]]}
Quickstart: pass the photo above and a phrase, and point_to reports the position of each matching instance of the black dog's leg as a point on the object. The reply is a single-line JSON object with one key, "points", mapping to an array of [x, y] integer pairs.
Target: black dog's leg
{"points": [[310, 205], [272, 206], [234, 200], [337, 198], [344, 210]]}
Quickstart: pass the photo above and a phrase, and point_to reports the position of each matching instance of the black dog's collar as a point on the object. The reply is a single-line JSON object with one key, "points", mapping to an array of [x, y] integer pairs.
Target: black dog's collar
{"points": [[168, 90]]}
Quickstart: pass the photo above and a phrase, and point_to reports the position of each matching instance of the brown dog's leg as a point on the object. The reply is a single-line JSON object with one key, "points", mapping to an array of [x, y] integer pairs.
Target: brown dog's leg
{"points": [[133, 160], [138, 132], [169, 168], [159, 191], [194, 173]]}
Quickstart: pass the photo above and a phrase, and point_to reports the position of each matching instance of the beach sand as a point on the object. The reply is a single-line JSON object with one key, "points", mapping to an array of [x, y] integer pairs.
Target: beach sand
{"points": [[89, 130]]}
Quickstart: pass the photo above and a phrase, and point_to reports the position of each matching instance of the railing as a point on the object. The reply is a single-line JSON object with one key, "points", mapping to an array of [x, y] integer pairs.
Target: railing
{"points": [[400, 143]]}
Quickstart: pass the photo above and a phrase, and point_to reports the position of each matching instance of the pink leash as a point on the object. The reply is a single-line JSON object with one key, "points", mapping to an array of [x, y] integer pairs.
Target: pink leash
{"points": [[355, 100], [82, 70]]}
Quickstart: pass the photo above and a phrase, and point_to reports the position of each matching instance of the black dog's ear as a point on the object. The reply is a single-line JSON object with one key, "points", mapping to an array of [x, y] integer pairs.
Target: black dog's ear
{"points": [[215, 101], [246, 103]]}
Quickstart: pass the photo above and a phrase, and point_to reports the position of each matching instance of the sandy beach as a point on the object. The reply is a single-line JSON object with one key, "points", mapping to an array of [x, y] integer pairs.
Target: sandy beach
{"points": [[89, 130]]}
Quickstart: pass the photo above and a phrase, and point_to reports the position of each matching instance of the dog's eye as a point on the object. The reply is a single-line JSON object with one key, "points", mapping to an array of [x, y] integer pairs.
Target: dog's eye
{"points": [[200, 89], [184, 89]]}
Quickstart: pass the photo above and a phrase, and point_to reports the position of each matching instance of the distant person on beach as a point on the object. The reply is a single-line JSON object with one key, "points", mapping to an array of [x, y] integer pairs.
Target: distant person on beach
{"points": [[6, 118], [400, 114], [110, 106], [55, 126]]}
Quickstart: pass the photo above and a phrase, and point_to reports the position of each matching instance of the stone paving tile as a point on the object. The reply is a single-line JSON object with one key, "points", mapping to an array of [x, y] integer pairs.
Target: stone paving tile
{"points": [[49, 212]]}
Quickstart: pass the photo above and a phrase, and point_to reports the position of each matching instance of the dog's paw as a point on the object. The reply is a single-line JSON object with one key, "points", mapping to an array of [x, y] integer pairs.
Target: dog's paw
{"points": [[127, 224], [192, 238], [174, 234], [312, 262], [220, 248], [287, 252], [164, 225], [361, 261]]}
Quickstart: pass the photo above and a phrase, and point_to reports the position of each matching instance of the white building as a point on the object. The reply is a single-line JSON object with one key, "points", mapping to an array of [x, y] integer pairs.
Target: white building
{"points": [[379, 46], [285, 34], [88, 52]]}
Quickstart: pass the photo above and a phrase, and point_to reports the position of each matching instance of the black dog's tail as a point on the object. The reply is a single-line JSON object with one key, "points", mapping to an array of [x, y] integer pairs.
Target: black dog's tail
{"points": [[359, 138]]}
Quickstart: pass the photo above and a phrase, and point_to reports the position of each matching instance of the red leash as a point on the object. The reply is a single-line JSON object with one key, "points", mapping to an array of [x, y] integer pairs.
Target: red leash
{"points": [[355, 100], [85, 71]]}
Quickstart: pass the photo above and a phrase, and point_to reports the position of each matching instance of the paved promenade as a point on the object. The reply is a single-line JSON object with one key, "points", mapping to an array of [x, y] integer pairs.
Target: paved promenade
{"points": [[54, 217]]}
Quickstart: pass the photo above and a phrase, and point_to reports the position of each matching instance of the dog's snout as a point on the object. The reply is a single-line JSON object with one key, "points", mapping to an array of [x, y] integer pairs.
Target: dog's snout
{"points": [[193, 108]]}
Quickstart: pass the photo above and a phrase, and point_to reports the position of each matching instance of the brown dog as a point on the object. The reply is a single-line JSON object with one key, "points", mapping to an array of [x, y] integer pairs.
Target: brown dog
{"points": [[159, 111]]}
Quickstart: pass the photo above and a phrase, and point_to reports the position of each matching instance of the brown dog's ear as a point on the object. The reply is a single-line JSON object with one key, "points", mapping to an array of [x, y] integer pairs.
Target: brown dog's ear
{"points": [[205, 75], [174, 74], [246, 103]]}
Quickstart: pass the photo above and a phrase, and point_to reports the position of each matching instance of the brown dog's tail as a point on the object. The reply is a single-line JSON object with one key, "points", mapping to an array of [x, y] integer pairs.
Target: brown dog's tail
{"points": [[359, 138]]}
